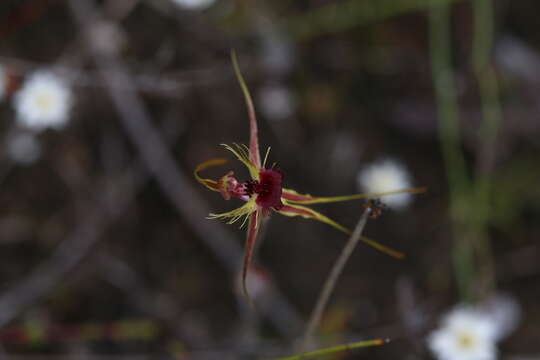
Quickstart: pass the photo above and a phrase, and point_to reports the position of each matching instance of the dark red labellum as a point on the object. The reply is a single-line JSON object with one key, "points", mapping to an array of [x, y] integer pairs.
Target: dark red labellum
{"points": [[268, 189]]}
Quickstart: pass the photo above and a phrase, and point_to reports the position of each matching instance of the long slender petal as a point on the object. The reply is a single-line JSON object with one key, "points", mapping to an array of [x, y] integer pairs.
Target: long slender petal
{"points": [[254, 155], [297, 198], [307, 213], [209, 183], [334, 349], [253, 229]]}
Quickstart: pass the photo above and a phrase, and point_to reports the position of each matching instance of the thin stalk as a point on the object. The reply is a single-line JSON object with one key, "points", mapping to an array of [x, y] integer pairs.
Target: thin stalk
{"points": [[334, 349], [446, 98], [491, 119], [333, 277], [448, 120]]}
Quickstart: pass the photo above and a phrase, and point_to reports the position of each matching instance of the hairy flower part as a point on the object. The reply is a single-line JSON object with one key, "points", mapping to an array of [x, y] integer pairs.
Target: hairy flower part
{"points": [[43, 101], [465, 334], [194, 4], [385, 176], [264, 192], [268, 189]]}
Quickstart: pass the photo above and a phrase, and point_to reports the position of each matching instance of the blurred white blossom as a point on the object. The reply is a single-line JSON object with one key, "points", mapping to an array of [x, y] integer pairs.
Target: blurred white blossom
{"points": [[465, 334], [386, 175], [517, 58], [472, 332], [194, 4], [23, 148], [275, 102], [43, 101]]}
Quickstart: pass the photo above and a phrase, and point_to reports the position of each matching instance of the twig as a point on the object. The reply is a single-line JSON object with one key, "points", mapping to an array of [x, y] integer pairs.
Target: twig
{"points": [[333, 277], [335, 349]]}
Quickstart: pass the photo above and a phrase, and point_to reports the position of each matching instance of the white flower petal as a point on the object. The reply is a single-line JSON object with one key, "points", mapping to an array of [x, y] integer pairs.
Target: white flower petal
{"points": [[466, 333], [43, 101], [384, 176]]}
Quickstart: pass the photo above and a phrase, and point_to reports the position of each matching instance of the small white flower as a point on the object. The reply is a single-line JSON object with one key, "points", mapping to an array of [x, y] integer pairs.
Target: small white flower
{"points": [[194, 4], [384, 176], [23, 148], [465, 334], [43, 101]]}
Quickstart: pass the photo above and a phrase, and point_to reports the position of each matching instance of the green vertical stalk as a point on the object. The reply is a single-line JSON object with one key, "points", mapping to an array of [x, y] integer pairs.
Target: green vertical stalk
{"points": [[491, 119], [448, 120]]}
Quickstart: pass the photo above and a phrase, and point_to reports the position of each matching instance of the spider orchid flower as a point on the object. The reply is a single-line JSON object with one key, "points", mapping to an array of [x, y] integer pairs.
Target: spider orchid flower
{"points": [[264, 192]]}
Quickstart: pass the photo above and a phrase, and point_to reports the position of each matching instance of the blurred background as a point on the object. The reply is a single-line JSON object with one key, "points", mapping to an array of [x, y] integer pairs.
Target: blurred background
{"points": [[105, 249]]}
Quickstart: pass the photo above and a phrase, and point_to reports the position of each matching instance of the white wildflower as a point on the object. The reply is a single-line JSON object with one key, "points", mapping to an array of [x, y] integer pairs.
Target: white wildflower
{"points": [[465, 334], [43, 101], [194, 4], [384, 176], [23, 148]]}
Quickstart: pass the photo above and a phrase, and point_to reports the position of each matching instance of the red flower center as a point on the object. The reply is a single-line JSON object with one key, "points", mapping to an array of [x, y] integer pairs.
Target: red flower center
{"points": [[267, 188]]}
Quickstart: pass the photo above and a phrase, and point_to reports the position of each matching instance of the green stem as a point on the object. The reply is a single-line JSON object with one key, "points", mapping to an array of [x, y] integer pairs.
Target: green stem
{"points": [[448, 120], [334, 349], [491, 120]]}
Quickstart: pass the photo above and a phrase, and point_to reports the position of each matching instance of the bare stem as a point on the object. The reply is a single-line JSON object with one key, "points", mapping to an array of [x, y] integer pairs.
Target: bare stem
{"points": [[450, 140], [333, 277], [492, 117]]}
